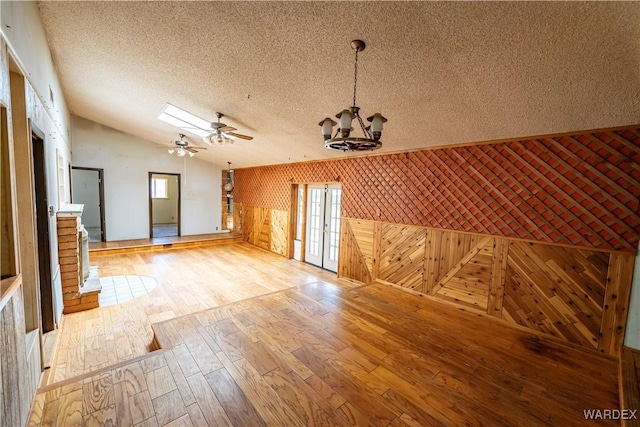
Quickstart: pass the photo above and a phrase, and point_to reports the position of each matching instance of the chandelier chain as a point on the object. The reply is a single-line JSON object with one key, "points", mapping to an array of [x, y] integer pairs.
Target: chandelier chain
{"points": [[355, 78]]}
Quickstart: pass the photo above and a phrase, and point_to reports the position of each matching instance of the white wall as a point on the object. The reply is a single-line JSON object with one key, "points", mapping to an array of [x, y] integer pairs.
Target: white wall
{"points": [[86, 191], [127, 161], [22, 30]]}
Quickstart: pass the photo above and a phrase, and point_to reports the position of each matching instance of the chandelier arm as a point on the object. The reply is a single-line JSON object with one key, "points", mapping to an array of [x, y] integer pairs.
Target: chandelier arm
{"points": [[362, 126]]}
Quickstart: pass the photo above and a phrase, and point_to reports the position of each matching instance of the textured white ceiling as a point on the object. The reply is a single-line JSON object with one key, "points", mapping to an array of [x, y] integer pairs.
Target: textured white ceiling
{"points": [[442, 73]]}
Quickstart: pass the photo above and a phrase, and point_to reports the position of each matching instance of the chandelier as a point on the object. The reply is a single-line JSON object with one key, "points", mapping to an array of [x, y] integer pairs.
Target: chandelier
{"points": [[342, 139]]}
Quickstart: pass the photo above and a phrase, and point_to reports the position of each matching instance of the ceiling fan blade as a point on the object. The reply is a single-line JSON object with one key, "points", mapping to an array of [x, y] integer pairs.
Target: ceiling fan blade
{"points": [[238, 135], [227, 129], [191, 149]]}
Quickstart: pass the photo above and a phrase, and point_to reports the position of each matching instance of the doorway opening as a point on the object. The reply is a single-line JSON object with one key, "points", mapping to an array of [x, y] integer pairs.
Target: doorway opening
{"points": [[164, 204], [322, 237], [87, 188], [42, 230]]}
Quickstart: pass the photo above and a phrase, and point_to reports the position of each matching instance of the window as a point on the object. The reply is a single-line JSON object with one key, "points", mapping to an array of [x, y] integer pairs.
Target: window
{"points": [[62, 182], [159, 188]]}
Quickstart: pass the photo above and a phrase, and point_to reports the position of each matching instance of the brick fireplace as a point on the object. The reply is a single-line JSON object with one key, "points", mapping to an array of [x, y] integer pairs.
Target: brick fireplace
{"points": [[73, 263]]}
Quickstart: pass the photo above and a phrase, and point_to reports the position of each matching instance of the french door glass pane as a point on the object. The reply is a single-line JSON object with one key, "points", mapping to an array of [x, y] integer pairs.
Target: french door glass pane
{"points": [[315, 226], [334, 219]]}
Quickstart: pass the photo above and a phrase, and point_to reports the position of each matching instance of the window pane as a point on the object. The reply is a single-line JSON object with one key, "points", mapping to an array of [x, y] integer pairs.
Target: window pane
{"points": [[159, 188]]}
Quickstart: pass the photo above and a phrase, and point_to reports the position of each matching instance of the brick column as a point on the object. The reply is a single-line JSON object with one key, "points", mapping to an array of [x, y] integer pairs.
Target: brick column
{"points": [[70, 275]]}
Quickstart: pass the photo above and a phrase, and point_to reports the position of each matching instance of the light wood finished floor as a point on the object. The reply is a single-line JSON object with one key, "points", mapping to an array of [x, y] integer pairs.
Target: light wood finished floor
{"points": [[325, 352], [189, 280], [310, 350]]}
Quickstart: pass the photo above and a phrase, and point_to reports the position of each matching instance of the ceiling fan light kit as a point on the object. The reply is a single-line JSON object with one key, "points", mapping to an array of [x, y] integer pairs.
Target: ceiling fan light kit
{"points": [[182, 148], [343, 140], [222, 134]]}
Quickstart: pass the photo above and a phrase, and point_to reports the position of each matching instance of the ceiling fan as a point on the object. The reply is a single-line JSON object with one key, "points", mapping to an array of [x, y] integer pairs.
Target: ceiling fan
{"points": [[223, 134], [181, 148], [211, 132]]}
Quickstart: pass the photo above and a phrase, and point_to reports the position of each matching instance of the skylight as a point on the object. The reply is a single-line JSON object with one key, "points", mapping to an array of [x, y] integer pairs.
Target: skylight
{"points": [[185, 120]]}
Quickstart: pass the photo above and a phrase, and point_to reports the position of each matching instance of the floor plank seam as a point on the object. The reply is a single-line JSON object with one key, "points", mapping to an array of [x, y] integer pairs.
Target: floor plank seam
{"points": [[71, 380]]}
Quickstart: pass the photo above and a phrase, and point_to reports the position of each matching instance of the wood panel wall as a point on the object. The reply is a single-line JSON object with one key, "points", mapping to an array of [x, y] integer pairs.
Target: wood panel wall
{"points": [[18, 377], [265, 228], [539, 231], [575, 294]]}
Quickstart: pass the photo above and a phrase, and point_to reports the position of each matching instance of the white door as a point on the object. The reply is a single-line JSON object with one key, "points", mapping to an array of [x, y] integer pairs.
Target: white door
{"points": [[323, 225]]}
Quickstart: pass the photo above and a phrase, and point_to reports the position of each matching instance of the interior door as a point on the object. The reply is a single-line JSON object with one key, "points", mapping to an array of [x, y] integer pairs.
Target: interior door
{"points": [[323, 225], [47, 303], [88, 189]]}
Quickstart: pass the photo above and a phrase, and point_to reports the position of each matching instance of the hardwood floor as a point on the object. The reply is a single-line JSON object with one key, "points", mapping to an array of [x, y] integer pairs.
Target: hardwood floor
{"points": [[307, 350], [189, 280]]}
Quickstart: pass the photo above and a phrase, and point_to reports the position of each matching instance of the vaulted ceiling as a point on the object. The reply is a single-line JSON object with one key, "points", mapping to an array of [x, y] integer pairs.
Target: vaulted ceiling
{"points": [[442, 73]]}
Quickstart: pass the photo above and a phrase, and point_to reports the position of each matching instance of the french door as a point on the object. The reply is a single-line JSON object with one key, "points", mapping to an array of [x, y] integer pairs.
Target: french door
{"points": [[323, 225]]}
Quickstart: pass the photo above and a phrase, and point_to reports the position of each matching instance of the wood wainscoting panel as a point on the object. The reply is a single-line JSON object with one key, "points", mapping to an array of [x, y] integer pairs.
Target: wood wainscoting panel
{"points": [[402, 249], [444, 254], [354, 243], [498, 275], [247, 225], [266, 228], [556, 290], [467, 282], [237, 218], [279, 229], [579, 295], [262, 227], [362, 231]]}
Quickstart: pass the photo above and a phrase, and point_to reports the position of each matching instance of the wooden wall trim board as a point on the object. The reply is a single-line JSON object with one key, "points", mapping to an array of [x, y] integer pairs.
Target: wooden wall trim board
{"points": [[614, 313], [8, 287], [629, 384]]}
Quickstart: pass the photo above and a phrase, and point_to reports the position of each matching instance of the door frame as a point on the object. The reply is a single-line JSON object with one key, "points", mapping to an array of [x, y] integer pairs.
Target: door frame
{"points": [[179, 219], [103, 224], [325, 204], [43, 232]]}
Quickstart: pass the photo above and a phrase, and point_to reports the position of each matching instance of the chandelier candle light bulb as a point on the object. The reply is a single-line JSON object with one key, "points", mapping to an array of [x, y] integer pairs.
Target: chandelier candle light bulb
{"points": [[371, 134]]}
